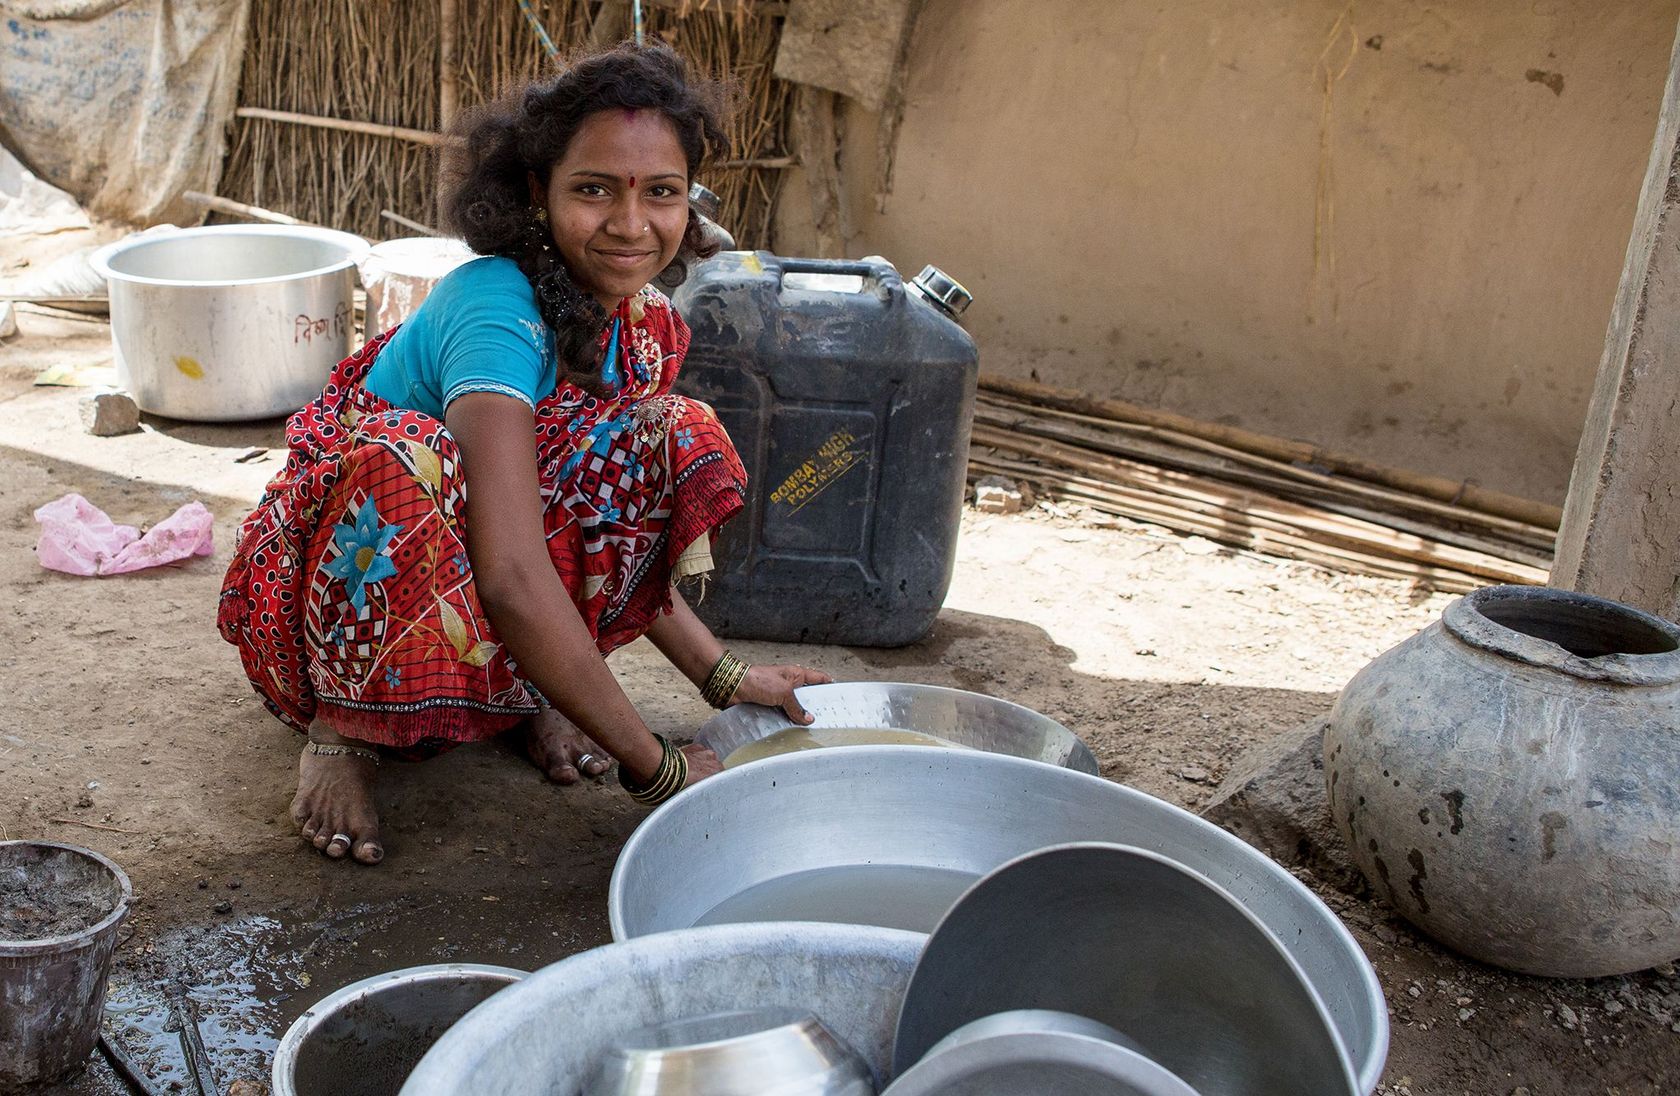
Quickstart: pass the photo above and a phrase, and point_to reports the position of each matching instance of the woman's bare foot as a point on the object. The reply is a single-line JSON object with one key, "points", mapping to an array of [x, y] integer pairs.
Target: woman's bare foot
{"points": [[334, 804], [556, 747]]}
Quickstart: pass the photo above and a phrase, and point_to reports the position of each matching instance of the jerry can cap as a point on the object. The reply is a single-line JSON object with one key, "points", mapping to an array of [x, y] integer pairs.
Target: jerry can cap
{"points": [[943, 290]]}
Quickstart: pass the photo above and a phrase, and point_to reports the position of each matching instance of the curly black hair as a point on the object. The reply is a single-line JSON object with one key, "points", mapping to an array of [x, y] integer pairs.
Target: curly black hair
{"points": [[487, 196]]}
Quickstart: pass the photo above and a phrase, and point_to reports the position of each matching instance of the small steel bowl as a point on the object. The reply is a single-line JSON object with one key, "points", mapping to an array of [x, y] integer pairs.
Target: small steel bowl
{"points": [[1034, 1020], [1045, 1051], [783, 1051], [1044, 1063], [365, 1039]]}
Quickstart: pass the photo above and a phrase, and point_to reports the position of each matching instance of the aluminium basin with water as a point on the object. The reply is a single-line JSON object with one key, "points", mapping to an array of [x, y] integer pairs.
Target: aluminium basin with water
{"points": [[891, 822]]}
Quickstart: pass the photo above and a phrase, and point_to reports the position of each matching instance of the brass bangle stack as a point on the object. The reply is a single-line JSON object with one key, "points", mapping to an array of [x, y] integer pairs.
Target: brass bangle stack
{"points": [[724, 679], [668, 781]]}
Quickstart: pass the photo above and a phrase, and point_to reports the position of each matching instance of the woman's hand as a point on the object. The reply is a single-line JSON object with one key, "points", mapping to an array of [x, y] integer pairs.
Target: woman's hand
{"points": [[701, 763], [773, 687]]}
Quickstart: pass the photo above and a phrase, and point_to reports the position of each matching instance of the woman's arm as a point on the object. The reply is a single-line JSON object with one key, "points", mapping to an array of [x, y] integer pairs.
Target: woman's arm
{"points": [[684, 638], [520, 590]]}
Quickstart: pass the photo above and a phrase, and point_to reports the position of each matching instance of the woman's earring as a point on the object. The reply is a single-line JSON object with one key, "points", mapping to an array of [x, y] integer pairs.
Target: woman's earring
{"points": [[542, 215]]}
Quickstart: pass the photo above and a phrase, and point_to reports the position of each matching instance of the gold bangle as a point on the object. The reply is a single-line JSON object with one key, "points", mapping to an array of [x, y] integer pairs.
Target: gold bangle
{"points": [[725, 678], [667, 782]]}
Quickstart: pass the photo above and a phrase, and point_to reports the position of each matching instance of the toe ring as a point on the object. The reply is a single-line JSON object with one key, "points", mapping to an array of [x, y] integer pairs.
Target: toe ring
{"points": [[340, 838]]}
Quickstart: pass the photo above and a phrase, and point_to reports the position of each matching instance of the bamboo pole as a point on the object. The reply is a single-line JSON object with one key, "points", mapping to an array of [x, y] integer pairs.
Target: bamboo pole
{"points": [[1161, 511], [346, 125], [772, 162], [1183, 450], [397, 218], [240, 209], [1438, 488], [1240, 509], [449, 62]]}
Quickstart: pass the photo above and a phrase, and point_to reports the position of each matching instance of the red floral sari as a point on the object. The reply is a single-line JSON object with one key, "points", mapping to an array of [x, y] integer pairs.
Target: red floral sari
{"points": [[351, 597]]}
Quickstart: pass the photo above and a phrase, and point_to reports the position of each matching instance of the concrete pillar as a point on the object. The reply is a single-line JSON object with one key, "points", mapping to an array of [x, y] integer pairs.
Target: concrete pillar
{"points": [[1621, 521]]}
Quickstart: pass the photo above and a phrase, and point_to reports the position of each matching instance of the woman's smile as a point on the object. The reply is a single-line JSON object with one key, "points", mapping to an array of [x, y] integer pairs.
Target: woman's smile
{"points": [[617, 202]]}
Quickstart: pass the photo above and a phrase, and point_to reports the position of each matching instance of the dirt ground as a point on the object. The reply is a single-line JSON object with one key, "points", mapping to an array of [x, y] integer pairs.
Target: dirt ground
{"points": [[127, 726]]}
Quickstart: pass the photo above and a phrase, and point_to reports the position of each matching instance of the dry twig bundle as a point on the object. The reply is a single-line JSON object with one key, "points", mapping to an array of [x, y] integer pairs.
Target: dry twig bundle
{"points": [[1255, 492], [377, 61]]}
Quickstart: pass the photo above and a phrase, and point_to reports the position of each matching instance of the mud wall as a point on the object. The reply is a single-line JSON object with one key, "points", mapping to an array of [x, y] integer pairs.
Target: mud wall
{"points": [[1398, 234]]}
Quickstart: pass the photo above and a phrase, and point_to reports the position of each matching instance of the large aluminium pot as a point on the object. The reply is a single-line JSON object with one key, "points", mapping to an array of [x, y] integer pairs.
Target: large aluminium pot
{"points": [[1509, 780], [230, 322]]}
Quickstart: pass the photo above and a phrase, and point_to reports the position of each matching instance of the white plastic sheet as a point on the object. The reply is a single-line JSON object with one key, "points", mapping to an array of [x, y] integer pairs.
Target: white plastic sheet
{"points": [[123, 103]]}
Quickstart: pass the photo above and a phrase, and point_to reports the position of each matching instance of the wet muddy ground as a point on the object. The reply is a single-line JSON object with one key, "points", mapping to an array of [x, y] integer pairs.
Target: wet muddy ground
{"points": [[126, 726]]}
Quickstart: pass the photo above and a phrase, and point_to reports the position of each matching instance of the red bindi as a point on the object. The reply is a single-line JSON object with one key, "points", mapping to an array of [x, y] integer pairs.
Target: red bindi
{"points": [[632, 182]]}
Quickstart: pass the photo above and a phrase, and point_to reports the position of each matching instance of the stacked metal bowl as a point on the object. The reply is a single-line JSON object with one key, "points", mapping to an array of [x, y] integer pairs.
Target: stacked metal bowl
{"points": [[1101, 941]]}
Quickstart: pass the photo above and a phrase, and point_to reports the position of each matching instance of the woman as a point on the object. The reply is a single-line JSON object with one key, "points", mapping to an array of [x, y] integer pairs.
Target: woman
{"points": [[379, 612]]}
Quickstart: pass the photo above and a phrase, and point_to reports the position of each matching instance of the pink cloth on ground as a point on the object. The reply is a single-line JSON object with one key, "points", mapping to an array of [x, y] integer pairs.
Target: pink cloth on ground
{"points": [[78, 538]]}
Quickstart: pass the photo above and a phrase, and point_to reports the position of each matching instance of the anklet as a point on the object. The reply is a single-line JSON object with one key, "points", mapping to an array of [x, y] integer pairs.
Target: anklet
{"points": [[322, 749], [725, 678]]}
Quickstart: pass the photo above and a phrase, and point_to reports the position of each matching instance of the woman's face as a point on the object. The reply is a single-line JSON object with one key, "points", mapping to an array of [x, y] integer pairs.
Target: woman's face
{"points": [[618, 201]]}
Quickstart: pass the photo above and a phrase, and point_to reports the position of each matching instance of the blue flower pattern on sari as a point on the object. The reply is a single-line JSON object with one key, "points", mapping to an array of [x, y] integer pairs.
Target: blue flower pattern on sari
{"points": [[598, 441], [362, 560]]}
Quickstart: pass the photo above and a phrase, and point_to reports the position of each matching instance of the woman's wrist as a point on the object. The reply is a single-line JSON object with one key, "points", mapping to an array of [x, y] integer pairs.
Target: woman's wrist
{"points": [[670, 778], [642, 764], [725, 677]]}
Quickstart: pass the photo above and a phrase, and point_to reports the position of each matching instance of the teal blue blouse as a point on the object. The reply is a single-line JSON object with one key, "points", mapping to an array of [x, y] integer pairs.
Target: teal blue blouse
{"points": [[477, 331]]}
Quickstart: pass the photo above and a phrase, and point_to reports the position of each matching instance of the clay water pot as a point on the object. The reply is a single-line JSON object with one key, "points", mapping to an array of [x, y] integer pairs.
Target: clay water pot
{"points": [[1509, 780]]}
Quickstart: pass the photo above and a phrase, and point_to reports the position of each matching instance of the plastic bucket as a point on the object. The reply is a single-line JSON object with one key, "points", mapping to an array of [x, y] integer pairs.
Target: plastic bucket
{"points": [[52, 987], [398, 274]]}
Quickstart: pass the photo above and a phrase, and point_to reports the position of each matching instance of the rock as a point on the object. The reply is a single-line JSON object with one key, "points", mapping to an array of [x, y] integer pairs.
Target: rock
{"points": [[8, 320], [247, 1088], [224, 906], [996, 495], [1273, 797], [108, 414]]}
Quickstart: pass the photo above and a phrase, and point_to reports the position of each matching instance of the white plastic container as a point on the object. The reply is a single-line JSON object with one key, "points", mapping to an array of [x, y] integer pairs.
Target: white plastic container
{"points": [[398, 275]]}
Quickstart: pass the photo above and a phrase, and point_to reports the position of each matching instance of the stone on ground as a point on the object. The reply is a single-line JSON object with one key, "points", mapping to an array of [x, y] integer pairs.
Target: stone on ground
{"points": [[997, 495], [107, 414], [1273, 797]]}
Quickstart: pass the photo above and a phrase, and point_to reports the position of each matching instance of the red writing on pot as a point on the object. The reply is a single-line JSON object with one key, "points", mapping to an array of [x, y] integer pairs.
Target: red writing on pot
{"points": [[306, 328]]}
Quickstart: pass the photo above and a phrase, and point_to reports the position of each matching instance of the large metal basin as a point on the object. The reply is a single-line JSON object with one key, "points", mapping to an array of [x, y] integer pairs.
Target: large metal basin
{"points": [[965, 812], [230, 322], [544, 1035], [974, 720]]}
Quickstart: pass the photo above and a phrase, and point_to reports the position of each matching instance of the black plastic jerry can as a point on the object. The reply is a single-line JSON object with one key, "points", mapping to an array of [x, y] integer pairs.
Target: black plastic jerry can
{"points": [[849, 395]]}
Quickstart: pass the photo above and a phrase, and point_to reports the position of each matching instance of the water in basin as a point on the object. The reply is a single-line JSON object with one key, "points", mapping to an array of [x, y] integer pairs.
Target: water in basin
{"points": [[894, 896], [794, 739]]}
